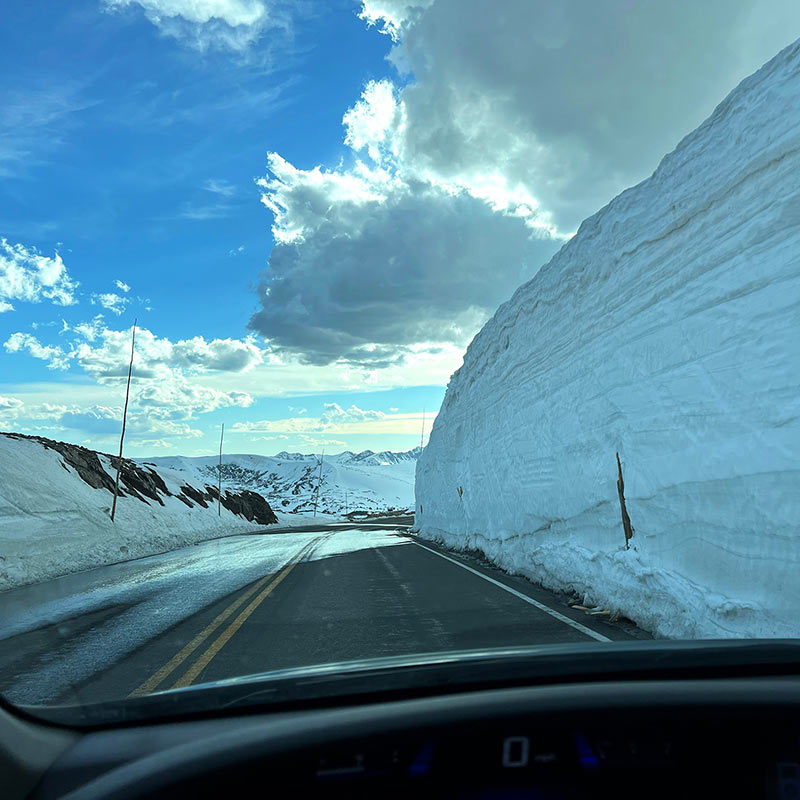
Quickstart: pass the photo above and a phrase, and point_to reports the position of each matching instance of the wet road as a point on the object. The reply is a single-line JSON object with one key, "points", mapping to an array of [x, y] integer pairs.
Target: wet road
{"points": [[250, 604]]}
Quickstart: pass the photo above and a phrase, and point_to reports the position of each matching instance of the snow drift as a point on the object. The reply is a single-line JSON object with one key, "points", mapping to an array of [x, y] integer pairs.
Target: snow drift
{"points": [[668, 330], [55, 499]]}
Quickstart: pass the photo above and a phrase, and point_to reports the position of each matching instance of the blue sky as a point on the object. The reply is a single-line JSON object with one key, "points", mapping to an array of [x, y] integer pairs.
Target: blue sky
{"points": [[135, 158], [312, 207]]}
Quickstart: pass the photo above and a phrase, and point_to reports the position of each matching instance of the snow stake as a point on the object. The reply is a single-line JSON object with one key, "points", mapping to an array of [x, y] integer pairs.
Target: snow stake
{"points": [[124, 418], [626, 520], [319, 481], [219, 483]]}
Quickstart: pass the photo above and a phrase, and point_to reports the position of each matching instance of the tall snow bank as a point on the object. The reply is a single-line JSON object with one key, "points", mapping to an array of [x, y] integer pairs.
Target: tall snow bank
{"points": [[54, 515], [667, 329]]}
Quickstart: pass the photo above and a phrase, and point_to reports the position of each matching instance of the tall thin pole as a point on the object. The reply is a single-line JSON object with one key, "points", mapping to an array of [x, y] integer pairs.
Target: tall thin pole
{"points": [[422, 434], [345, 502], [219, 484], [124, 420], [319, 481]]}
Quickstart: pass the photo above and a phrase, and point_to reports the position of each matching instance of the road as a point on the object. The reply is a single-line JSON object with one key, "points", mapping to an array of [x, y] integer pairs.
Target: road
{"points": [[254, 603]]}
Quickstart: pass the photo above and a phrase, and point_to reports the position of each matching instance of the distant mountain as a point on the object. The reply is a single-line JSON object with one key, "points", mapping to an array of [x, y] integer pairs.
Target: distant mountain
{"points": [[284, 456], [366, 481], [384, 458]]}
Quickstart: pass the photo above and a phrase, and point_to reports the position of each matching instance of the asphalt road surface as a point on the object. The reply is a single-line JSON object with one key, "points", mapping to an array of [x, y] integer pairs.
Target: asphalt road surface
{"points": [[249, 604]]}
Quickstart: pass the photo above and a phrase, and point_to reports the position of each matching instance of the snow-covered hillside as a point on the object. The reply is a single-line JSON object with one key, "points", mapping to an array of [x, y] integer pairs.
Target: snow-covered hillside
{"points": [[54, 510], [365, 481], [668, 330]]}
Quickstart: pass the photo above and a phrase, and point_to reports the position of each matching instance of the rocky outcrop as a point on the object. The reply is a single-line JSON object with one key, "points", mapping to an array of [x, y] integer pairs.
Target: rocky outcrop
{"points": [[198, 497], [250, 505]]}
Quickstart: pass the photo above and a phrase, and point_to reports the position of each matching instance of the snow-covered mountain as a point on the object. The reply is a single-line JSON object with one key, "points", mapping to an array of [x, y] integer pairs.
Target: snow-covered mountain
{"points": [[666, 330], [365, 481], [55, 500]]}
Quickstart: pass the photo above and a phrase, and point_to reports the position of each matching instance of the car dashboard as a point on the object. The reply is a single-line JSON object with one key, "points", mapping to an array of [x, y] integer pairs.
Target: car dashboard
{"points": [[730, 737]]}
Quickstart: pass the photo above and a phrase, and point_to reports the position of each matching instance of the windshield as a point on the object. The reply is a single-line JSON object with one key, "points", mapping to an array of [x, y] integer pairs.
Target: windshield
{"points": [[370, 329]]}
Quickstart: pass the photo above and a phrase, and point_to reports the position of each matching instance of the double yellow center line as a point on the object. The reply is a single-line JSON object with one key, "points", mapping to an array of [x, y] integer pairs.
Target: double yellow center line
{"points": [[272, 580]]}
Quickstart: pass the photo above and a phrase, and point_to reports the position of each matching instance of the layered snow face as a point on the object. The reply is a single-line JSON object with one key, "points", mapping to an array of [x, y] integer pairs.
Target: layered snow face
{"points": [[365, 481], [668, 330], [52, 522]]}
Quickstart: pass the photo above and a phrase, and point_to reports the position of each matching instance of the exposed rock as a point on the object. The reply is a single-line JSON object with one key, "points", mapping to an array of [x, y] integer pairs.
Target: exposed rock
{"points": [[194, 494], [140, 481], [250, 505]]}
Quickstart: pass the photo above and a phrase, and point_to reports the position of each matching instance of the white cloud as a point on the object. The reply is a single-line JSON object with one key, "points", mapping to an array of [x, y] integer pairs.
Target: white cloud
{"points": [[56, 357], [231, 24], [151, 443], [375, 122], [122, 286], [182, 399], [115, 303], [391, 15], [158, 356], [107, 421], [333, 414], [10, 407], [167, 390], [28, 276], [89, 330]]}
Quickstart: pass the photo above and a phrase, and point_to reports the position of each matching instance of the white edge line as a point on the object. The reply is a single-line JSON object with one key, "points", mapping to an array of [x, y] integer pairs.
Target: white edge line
{"points": [[540, 606]]}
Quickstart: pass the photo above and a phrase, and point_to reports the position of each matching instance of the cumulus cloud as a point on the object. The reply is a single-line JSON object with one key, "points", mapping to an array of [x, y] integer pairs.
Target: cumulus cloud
{"points": [[122, 286], [505, 127], [151, 443], [169, 387], [391, 15], [56, 357], [203, 24], [10, 407], [334, 414], [28, 276], [107, 421], [368, 263], [181, 399], [573, 101], [158, 356]]}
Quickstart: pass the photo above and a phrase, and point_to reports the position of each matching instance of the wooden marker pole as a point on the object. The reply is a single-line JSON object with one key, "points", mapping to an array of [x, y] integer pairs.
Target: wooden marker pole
{"points": [[124, 419]]}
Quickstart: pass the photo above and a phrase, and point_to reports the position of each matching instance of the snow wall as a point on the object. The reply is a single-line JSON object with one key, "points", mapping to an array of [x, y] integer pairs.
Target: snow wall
{"points": [[668, 330]]}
